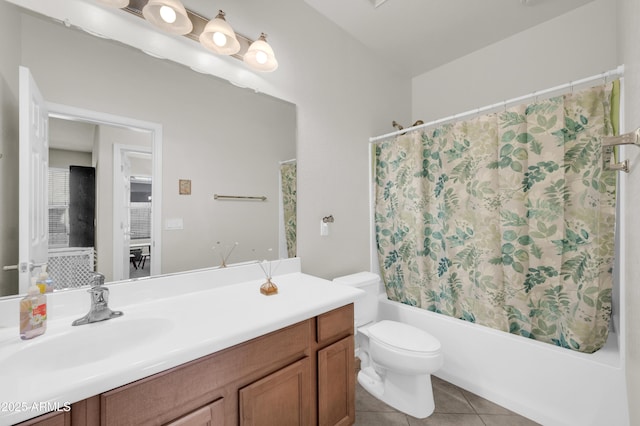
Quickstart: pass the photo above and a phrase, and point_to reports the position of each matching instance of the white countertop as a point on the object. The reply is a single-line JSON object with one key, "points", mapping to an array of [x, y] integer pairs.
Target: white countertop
{"points": [[64, 366]]}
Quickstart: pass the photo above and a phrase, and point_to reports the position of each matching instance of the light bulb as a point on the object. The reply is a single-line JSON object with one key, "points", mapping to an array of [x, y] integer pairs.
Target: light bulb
{"points": [[261, 57], [219, 39], [168, 15]]}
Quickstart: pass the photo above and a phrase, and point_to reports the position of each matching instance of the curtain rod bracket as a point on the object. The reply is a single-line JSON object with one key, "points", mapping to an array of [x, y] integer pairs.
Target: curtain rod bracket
{"points": [[608, 144]]}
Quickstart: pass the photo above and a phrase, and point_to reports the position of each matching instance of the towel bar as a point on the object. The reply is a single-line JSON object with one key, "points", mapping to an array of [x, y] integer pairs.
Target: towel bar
{"points": [[238, 197]]}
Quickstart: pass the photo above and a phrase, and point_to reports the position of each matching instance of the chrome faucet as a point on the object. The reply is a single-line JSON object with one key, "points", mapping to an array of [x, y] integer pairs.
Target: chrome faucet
{"points": [[100, 310]]}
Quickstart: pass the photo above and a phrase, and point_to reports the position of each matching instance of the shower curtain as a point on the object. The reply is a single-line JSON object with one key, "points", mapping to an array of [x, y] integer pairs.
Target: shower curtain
{"points": [[288, 182], [505, 220]]}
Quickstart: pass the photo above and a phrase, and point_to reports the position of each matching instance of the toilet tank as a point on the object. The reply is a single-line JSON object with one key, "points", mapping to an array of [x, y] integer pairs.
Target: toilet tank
{"points": [[365, 308]]}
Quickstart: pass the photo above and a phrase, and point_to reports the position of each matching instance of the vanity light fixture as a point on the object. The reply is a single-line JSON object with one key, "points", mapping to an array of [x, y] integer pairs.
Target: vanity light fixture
{"points": [[168, 15], [219, 37], [216, 35], [260, 56], [114, 3]]}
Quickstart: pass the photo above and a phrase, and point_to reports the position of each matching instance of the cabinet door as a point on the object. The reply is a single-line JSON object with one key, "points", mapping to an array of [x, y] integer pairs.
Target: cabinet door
{"points": [[209, 415], [336, 384], [280, 399]]}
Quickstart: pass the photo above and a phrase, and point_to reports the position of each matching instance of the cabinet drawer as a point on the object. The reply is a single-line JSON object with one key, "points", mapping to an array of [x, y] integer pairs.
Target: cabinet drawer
{"points": [[335, 324]]}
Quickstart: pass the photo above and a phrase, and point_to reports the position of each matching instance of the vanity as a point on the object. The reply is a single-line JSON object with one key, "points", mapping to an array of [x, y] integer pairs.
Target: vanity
{"points": [[220, 353]]}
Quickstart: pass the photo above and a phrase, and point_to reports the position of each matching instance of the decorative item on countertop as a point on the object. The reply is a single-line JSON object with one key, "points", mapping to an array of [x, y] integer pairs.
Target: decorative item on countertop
{"points": [[268, 288], [221, 250]]}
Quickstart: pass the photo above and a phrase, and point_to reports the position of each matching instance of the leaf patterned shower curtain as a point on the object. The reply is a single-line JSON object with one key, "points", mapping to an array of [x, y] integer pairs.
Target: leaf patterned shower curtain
{"points": [[505, 220], [288, 179]]}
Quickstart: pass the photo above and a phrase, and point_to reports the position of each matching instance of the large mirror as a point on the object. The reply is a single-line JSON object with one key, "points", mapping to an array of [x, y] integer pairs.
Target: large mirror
{"points": [[217, 139]]}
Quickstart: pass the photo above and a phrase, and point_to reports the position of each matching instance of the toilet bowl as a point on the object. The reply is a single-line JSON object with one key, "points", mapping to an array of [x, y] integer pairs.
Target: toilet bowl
{"points": [[397, 359]]}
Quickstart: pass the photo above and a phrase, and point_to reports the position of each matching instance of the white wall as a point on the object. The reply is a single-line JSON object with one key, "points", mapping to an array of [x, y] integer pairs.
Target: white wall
{"points": [[575, 45], [344, 95], [628, 36], [62, 159]]}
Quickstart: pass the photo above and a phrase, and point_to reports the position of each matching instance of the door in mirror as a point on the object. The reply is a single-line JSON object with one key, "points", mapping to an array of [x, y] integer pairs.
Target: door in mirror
{"points": [[33, 228]]}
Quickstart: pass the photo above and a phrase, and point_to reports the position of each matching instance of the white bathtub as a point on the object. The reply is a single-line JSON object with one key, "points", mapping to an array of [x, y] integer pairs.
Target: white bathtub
{"points": [[548, 384]]}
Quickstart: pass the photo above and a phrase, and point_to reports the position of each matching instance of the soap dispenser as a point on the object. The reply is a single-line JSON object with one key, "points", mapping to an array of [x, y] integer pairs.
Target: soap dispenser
{"points": [[33, 313]]}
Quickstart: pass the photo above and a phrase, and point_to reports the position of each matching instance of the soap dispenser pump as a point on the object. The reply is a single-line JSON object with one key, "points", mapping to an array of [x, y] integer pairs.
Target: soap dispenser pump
{"points": [[44, 282]]}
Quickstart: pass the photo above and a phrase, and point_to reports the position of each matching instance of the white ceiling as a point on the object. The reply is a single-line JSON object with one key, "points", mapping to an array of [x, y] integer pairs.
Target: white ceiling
{"points": [[420, 35]]}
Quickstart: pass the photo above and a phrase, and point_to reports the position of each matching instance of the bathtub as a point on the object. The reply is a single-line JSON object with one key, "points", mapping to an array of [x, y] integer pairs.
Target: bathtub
{"points": [[548, 384]]}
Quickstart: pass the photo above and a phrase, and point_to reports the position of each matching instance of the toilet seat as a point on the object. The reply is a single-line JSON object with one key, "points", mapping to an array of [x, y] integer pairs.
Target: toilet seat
{"points": [[404, 337]]}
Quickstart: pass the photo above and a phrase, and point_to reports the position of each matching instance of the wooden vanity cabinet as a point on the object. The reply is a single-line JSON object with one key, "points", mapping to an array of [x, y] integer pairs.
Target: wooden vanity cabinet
{"points": [[300, 375]]}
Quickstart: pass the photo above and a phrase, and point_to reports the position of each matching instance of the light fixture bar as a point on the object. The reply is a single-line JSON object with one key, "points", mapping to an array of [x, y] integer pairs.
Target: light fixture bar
{"points": [[199, 22]]}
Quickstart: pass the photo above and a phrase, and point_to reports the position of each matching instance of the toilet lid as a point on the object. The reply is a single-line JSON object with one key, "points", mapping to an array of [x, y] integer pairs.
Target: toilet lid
{"points": [[404, 336]]}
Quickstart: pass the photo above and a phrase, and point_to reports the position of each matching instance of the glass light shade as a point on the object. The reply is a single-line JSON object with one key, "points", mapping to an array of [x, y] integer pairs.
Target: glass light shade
{"points": [[219, 37], [182, 24], [260, 56], [168, 15], [114, 3]]}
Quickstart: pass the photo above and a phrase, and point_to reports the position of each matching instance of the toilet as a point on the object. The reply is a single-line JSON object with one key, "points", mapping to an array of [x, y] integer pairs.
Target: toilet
{"points": [[397, 359]]}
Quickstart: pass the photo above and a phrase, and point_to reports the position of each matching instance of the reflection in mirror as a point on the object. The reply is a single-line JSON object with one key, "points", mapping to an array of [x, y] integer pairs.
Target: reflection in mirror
{"points": [[140, 207], [72, 194], [82, 179], [223, 139]]}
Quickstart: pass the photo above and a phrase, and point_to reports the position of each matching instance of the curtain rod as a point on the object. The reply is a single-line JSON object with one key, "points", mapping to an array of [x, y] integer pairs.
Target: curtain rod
{"points": [[618, 72]]}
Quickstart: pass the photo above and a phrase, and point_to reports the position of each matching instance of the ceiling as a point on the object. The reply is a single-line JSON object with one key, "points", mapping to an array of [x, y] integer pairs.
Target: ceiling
{"points": [[420, 35]]}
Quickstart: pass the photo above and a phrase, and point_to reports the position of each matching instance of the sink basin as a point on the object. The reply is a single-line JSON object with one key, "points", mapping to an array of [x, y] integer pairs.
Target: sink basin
{"points": [[83, 344]]}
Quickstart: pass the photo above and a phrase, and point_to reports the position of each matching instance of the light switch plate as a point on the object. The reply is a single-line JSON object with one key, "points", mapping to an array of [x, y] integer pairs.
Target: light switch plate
{"points": [[174, 223]]}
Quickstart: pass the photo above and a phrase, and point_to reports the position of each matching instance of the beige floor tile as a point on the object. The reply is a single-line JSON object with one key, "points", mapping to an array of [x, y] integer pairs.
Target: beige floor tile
{"points": [[449, 398], [367, 402], [483, 406], [506, 420], [371, 418], [447, 419], [454, 407]]}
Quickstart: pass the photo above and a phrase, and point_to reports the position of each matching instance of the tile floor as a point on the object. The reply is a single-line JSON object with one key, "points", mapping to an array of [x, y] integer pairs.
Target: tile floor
{"points": [[454, 407]]}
